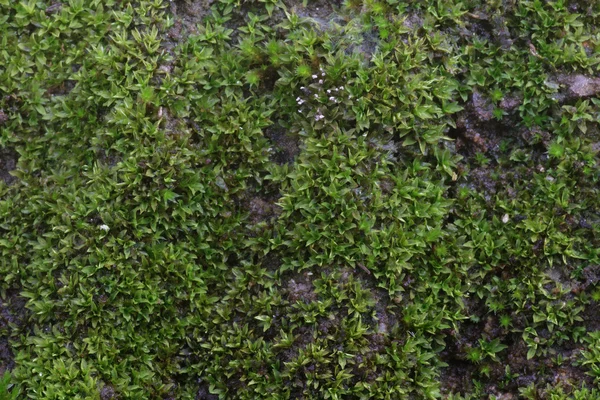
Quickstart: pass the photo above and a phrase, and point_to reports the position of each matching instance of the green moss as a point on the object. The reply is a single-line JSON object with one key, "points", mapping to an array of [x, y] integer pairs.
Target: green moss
{"points": [[431, 233]]}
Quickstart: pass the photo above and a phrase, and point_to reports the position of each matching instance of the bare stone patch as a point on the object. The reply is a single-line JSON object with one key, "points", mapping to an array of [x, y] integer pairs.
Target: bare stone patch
{"points": [[580, 85], [483, 106], [510, 102]]}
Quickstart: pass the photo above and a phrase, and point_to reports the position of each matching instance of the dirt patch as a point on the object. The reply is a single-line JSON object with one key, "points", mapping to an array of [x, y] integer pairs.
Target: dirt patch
{"points": [[108, 157], [187, 15], [386, 319], [108, 393], [484, 141], [12, 316], [413, 21], [8, 162], [591, 316], [492, 28], [457, 378], [62, 89], [303, 337], [173, 37], [3, 117], [190, 13], [477, 131], [203, 393], [543, 370], [486, 181], [285, 145], [459, 375], [260, 204], [173, 127], [483, 107], [261, 209], [479, 25], [319, 10], [300, 288], [512, 370], [271, 262], [6, 356]]}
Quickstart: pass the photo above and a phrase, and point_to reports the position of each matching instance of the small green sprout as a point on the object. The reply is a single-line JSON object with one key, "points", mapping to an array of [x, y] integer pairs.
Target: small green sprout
{"points": [[505, 321]]}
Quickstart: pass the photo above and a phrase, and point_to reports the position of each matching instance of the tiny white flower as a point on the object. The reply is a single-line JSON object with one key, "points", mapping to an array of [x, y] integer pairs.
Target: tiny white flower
{"points": [[328, 91], [104, 227], [323, 74], [316, 96], [320, 81], [332, 98], [505, 218], [302, 87], [341, 88], [314, 77]]}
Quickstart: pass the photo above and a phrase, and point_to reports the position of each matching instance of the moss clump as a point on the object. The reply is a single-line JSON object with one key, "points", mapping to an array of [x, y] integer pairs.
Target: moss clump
{"points": [[276, 199]]}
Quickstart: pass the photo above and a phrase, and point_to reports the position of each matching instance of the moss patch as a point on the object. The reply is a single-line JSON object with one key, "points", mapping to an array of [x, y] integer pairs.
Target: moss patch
{"points": [[277, 199]]}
